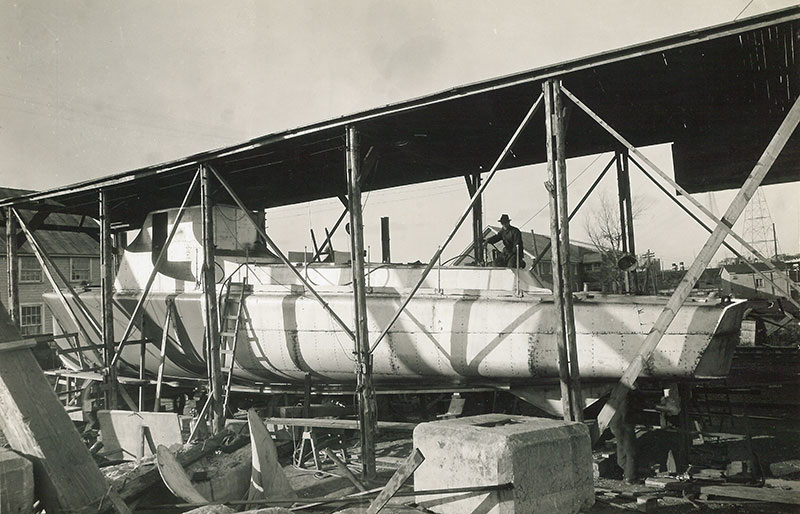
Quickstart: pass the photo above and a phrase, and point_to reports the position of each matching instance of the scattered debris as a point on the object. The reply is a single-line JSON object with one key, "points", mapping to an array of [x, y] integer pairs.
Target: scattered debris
{"points": [[398, 479], [766, 494], [175, 477], [268, 479], [785, 468]]}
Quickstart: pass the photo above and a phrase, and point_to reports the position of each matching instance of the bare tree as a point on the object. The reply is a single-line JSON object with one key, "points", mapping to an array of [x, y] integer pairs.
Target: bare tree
{"points": [[605, 233]]}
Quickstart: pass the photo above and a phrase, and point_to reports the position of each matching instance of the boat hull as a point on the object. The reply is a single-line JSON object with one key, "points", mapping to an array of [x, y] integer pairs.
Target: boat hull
{"points": [[286, 335]]}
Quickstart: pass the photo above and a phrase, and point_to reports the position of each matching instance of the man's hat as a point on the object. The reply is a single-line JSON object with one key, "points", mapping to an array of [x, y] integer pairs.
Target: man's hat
{"points": [[504, 218]]}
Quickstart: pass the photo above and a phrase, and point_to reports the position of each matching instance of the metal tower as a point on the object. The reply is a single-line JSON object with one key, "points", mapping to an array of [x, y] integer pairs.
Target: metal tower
{"points": [[759, 230]]}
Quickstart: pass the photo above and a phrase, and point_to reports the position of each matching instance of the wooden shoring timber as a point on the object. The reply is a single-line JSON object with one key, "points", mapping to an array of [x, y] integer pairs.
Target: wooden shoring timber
{"points": [[552, 189], [467, 210], [36, 425], [162, 255], [625, 196], [367, 405], [12, 266], [211, 315], [569, 375], [576, 398], [162, 357], [734, 251], [277, 251], [107, 301], [473, 183], [702, 260], [685, 194]]}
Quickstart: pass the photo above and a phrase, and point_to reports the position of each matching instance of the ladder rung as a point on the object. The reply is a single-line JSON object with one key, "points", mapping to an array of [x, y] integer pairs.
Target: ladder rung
{"points": [[227, 334], [226, 351], [231, 316]]}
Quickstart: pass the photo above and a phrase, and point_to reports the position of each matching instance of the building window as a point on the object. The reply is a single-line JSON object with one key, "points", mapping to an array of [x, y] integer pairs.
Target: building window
{"points": [[80, 269], [759, 282], [30, 319], [29, 270]]}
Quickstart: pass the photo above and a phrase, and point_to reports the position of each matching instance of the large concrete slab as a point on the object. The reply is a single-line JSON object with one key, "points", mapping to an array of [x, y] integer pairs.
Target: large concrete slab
{"points": [[16, 483], [548, 461]]}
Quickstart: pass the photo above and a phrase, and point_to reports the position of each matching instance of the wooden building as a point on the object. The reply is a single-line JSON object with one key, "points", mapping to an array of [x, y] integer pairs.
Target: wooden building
{"points": [[740, 281], [75, 253]]}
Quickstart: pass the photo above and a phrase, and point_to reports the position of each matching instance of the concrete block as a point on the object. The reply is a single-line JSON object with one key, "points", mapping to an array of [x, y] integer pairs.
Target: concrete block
{"points": [[122, 432], [548, 461], [16, 483]]}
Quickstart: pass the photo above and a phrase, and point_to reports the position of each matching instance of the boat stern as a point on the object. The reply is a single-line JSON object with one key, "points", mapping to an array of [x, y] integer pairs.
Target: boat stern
{"points": [[715, 361]]}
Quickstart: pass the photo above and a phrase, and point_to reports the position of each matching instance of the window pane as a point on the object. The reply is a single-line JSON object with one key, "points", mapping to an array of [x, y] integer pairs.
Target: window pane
{"points": [[79, 269], [30, 319], [29, 270]]}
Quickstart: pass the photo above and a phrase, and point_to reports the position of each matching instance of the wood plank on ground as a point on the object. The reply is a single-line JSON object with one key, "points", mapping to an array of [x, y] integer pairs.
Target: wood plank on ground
{"points": [[396, 482], [345, 424], [744, 492], [36, 425]]}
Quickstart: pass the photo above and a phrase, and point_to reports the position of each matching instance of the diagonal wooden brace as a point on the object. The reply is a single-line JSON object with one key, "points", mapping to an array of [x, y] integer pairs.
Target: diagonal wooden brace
{"points": [[715, 240]]}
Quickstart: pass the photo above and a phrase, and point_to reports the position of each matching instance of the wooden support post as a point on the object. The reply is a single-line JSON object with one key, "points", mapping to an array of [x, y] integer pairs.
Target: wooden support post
{"points": [[367, 408], [684, 426], [563, 366], [473, 184], [576, 399], [162, 357], [35, 424], [626, 216], [569, 374], [386, 247], [621, 199], [107, 303], [708, 251], [12, 266], [210, 294], [142, 366]]}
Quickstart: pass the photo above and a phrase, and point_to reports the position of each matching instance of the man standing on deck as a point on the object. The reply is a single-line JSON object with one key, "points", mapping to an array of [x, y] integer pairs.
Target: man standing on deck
{"points": [[512, 256]]}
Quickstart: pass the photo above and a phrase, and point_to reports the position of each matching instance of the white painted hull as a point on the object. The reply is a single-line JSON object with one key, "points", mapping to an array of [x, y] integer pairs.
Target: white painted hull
{"points": [[461, 337]]}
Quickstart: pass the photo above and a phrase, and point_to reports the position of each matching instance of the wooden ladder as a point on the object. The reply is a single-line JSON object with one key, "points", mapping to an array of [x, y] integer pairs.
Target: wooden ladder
{"points": [[229, 334]]}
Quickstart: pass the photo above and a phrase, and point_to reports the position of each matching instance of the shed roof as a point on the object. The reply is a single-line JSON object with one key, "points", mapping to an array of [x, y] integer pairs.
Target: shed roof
{"points": [[54, 242], [692, 89], [744, 269]]}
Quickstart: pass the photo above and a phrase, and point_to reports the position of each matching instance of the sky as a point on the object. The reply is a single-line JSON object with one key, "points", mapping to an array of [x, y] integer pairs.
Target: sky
{"points": [[91, 88]]}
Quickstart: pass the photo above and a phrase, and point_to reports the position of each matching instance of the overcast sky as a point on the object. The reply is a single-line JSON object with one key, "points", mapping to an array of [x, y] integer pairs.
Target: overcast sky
{"points": [[91, 88]]}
